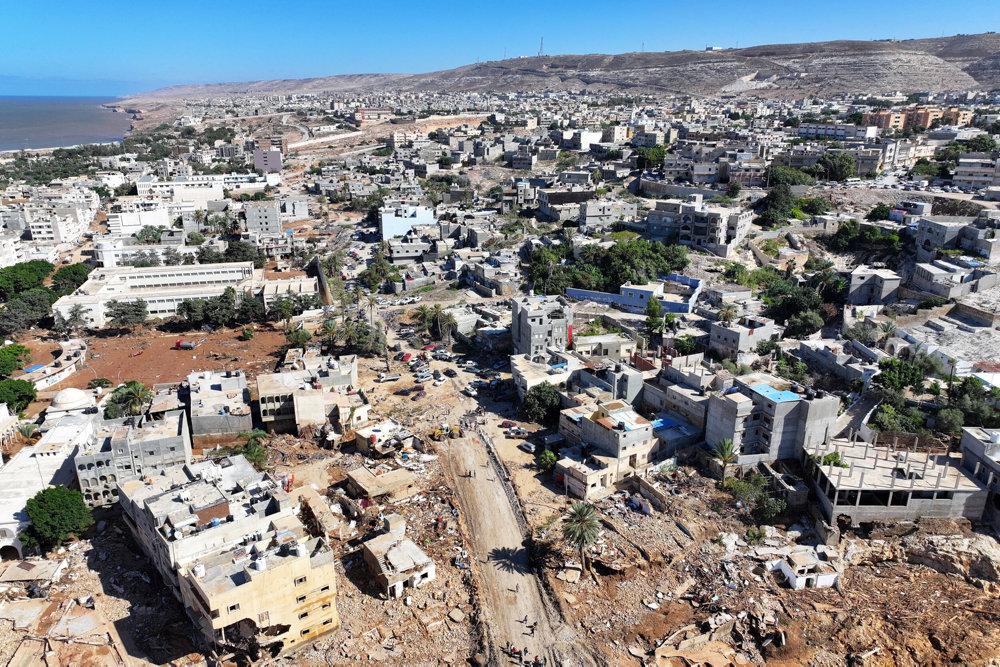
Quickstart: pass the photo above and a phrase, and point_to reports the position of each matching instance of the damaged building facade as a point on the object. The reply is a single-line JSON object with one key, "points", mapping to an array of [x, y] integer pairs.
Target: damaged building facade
{"points": [[229, 545]]}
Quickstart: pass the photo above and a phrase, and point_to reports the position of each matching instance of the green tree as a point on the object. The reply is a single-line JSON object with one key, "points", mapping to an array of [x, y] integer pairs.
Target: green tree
{"points": [[650, 157], [68, 278], [733, 189], [72, 322], [126, 314], [654, 312], [132, 397], [727, 313], [547, 460], [149, 234], [99, 383], [950, 420], [880, 212], [581, 528], [13, 358], [981, 144], [541, 403], [803, 324], [897, 374], [17, 394], [725, 452], [56, 514], [297, 337], [196, 238], [835, 166]]}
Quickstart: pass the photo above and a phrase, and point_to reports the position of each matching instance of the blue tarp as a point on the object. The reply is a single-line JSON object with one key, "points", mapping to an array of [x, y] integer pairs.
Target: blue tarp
{"points": [[32, 369]]}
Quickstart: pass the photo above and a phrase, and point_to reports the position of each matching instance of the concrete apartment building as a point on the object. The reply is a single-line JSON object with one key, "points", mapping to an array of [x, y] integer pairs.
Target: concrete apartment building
{"points": [[976, 170], [870, 286], [837, 131], [716, 229], [676, 294], [228, 543], [978, 236], [615, 442], [613, 347], [540, 323], [219, 404], [739, 337], [954, 278], [767, 423], [263, 217], [268, 161], [396, 221], [54, 228], [128, 215], [877, 483], [163, 288], [306, 392], [125, 449]]}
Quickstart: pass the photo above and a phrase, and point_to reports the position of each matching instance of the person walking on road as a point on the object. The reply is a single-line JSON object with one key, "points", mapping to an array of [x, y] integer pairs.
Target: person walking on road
{"points": [[517, 589]]}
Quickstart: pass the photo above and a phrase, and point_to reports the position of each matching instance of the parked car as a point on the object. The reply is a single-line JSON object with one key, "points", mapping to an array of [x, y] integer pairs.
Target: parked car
{"points": [[417, 397], [439, 382], [402, 392], [507, 424], [437, 374], [417, 387], [451, 372], [527, 446], [407, 356]]}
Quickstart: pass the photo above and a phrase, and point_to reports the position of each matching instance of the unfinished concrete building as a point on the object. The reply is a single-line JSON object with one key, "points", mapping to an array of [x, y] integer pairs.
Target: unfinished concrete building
{"points": [[228, 544], [395, 561], [717, 229], [220, 406], [767, 422], [539, 323], [980, 449], [870, 286], [734, 339], [130, 448], [862, 482]]}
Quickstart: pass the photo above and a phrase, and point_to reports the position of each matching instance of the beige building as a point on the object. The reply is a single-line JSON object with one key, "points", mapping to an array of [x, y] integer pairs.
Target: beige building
{"points": [[229, 545], [615, 442]]}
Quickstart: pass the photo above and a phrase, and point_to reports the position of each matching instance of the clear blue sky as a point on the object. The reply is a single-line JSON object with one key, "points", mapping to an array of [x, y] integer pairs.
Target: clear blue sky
{"points": [[111, 47]]}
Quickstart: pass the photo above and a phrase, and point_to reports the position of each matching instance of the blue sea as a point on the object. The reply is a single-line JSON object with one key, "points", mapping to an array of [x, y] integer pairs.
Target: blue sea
{"points": [[50, 122]]}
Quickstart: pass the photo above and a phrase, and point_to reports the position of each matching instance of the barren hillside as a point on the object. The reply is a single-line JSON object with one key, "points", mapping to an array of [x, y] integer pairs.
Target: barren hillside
{"points": [[777, 70]]}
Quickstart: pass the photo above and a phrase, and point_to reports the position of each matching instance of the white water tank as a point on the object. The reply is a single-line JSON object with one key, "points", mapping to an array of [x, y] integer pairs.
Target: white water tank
{"points": [[995, 437], [300, 549], [260, 564], [198, 570]]}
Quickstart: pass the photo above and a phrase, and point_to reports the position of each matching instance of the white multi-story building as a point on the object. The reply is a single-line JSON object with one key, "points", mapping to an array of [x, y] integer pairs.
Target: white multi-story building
{"points": [[11, 251], [163, 288], [54, 228], [131, 214], [976, 170]]}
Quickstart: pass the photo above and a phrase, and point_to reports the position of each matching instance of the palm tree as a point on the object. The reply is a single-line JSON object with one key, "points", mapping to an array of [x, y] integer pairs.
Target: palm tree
{"points": [[133, 396], [725, 452], [670, 322], [447, 324], [656, 328], [372, 304], [727, 313], [424, 317], [888, 330], [437, 312], [581, 528], [26, 431]]}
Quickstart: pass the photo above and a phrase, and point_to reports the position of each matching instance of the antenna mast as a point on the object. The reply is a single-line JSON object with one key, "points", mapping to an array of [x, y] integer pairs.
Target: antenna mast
{"points": [[541, 47]]}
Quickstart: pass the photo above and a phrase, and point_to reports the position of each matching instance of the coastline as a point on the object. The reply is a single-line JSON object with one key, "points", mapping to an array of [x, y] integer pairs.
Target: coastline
{"points": [[111, 107]]}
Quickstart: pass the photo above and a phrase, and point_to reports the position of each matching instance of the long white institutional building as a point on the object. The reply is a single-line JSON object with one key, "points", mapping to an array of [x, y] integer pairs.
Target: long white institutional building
{"points": [[163, 288]]}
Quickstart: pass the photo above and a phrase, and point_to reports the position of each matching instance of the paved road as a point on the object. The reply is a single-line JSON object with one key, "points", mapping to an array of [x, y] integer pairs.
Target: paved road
{"points": [[509, 589]]}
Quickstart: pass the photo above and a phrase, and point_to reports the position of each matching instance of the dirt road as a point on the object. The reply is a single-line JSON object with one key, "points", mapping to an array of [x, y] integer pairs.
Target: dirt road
{"points": [[509, 589]]}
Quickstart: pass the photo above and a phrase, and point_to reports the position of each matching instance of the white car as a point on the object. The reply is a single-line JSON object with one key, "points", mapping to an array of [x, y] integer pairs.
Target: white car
{"points": [[440, 381], [471, 391]]}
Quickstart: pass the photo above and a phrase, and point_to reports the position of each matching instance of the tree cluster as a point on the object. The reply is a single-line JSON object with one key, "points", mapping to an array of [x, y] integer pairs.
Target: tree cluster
{"points": [[541, 403], [635, 261], [222, 310]]}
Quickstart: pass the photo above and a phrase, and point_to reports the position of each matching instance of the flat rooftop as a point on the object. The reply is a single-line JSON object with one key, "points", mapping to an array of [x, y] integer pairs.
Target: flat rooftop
{"points": [[776, 395], [883, 469]]}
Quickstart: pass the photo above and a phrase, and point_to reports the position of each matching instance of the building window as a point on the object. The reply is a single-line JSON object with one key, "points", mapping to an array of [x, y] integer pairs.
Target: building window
{"points": [[234, 607], [304, 614], [300, 580], [325, 606], [300, 599], [328, 621], [304, 632], [325, 588]]}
